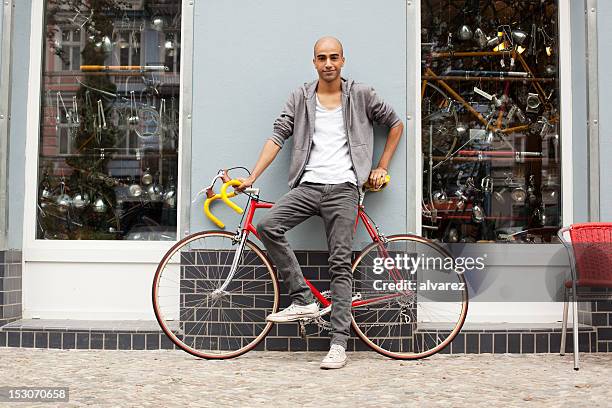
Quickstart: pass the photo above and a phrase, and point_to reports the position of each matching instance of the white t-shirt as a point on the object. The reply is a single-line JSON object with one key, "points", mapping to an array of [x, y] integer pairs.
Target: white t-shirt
{"points": [[330, 160]]}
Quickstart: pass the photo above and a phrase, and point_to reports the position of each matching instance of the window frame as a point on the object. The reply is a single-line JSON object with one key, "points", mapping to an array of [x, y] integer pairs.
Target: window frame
{"points": [[413, 75], [98, 251]]}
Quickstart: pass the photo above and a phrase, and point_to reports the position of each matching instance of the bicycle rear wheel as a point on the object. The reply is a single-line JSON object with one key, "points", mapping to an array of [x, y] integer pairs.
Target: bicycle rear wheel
{"points": [[412, 303], [200, 317]]}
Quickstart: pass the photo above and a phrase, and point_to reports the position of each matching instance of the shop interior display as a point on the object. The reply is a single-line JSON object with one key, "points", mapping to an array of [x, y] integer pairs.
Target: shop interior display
{"points": [[108, 160], [491, 140]]}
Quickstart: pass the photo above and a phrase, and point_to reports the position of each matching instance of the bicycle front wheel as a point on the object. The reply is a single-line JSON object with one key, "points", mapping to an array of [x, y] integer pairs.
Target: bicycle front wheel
{"points": [[201, 308], [412, 301]]}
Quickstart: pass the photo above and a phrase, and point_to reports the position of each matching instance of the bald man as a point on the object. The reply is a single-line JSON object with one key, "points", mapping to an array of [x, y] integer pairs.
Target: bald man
{"points": [[331, 121]]}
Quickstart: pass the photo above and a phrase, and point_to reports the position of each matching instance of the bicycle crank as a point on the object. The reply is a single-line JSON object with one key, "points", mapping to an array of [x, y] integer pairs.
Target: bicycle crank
{"points": [[327, 309], [320, 322]]}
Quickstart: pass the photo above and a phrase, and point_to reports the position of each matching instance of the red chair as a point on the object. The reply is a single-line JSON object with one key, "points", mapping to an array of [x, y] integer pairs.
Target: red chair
{"points": [[590, 252]]}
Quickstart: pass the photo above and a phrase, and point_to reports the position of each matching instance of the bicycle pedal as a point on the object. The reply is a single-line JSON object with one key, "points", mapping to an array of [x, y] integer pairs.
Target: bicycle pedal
{"points": [[302, 329]]}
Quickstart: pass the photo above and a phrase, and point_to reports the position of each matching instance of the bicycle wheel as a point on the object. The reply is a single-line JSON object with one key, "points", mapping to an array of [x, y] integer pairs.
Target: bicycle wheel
{"points": [[200, 316], [440, 122], [412, 302]]}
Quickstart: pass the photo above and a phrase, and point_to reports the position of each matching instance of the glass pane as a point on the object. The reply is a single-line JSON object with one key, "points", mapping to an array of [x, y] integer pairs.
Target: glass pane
{"points": [[64, 54], [109, 128], [76, 57], [124, 56], [63, 147], [490, 121]]}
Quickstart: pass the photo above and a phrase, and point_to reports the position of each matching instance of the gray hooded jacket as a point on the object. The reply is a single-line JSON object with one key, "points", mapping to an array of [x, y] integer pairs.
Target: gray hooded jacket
{"points": [[361, 107]]}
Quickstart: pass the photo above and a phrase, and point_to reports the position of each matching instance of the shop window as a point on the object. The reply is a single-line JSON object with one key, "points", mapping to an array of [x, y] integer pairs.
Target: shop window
{"points": [[172, 51], [70, 51], [128, 47], [491, 140], [108, 155]]}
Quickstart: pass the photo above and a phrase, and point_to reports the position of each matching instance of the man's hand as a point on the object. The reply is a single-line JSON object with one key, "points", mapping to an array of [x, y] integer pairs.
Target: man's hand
{"points": [[377, 177], [268, 153], [246, 182]]}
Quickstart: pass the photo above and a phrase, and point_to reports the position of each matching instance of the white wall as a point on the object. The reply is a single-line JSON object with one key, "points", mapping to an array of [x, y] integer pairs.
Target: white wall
{"points": [[605, 107], [243, 75], [96, 291]]}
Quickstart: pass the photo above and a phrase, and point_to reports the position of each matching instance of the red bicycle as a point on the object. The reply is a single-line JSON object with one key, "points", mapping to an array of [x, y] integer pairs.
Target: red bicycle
{"points": [[213, 290]]}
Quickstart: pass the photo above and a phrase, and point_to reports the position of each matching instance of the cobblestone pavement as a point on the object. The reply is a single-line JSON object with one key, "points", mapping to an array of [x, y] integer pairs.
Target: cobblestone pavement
{"points": [[175, 379]]}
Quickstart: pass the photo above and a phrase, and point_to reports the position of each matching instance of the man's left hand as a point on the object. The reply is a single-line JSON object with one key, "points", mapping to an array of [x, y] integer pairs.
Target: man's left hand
{"points": [[377, 177]]}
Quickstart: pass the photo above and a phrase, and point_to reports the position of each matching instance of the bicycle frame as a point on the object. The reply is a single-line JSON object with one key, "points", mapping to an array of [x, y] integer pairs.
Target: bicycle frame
{"points": [[247, 228]]}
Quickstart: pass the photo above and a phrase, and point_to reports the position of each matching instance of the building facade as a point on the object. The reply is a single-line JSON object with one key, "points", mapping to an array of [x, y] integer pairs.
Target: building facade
{"points": [[112, 122]]}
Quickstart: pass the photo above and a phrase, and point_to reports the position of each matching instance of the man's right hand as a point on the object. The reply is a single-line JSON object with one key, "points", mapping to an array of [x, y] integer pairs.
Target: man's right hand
{"points": [[246, 182]]}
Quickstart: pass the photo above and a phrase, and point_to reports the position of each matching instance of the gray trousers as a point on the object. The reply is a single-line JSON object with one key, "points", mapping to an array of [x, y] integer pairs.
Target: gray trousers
{"points": [[337, 205]]}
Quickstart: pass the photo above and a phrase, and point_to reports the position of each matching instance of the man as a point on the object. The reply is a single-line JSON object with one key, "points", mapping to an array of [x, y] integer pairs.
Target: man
{"points": [[330, 120]]}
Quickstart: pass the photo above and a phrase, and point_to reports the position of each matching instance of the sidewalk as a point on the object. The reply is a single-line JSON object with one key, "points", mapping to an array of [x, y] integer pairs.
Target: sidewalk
{"points": [[175, 379]]}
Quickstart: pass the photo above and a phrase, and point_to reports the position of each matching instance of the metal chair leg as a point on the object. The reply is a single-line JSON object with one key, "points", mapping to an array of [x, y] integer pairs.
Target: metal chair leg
{"points": [[575, 327], [564, 324]]}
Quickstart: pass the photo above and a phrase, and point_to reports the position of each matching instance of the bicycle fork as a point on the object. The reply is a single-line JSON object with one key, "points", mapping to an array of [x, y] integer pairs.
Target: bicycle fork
{"points": [[219, 292]]}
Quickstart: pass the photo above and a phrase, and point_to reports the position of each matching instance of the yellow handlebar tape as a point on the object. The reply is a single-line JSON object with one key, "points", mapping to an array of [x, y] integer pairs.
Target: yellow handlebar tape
{"points": [[225, 196], [209, 214], [384, 184]]}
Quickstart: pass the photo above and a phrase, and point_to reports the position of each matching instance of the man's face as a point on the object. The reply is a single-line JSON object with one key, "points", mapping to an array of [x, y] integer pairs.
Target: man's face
{"points": [[328, 60]]}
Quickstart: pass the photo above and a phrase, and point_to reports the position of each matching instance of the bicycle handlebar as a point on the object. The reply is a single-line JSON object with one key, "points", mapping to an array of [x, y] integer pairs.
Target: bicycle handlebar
{"points": [[214, 219], [225, 196]]}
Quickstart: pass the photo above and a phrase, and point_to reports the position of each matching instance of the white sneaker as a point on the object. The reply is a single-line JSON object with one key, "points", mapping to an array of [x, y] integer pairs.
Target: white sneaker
{"points": [[294, 312], [336, 358]]}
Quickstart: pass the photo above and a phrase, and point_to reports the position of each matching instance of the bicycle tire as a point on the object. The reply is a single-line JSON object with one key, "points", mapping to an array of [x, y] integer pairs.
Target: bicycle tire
{"points": [[408, 341], [214, 325]]}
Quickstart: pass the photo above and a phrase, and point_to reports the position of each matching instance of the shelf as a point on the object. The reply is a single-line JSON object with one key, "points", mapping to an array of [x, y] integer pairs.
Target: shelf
{"points": [[488, 158], [484, 79]]}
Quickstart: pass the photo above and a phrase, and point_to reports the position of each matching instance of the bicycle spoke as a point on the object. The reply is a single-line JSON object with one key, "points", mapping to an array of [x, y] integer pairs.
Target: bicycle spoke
{"points": [[395, 320], [213, 323]]}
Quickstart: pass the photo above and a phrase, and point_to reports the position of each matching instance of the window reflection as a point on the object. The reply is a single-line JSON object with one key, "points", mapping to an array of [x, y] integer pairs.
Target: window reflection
{"points": [[109, 120], [490, 121]]}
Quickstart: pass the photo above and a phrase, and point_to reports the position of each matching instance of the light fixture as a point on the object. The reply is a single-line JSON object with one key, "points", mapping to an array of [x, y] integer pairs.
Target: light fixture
{"points": [[157, 23], [439, 197], [154, 191], [63, 201], [478, 213], [453, 235], [147, 177], [122, 42], [105, 44], [80, 200], [135, 190], [99, 205], [481, 38], [518, 195], [465, 33], [519, 36]]}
